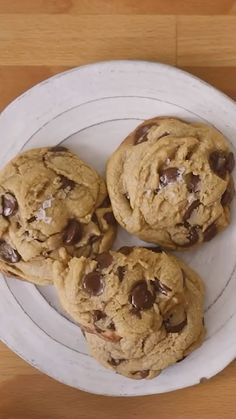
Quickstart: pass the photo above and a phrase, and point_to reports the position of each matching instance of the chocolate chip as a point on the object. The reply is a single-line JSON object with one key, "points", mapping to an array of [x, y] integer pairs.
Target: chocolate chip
{"points": [[115, 362], [140, 297], [111, 326], [228, 195], [210, 232], [141, 134], [31, 219], [106, 203], [144, 373], [168, 175], [155, 249], [190, 209], [175, 319], [104, 260], [58, 148], [9, 205], [192, 182], [98, 315], [193, 236], [72, 233], [94, 218], [110, 219], [126, 250], [93, 283], [218, 161], [121, 272], [8, 254], [230, 162], [136, 312], [66, 183], [160, 287], [93, 239]]}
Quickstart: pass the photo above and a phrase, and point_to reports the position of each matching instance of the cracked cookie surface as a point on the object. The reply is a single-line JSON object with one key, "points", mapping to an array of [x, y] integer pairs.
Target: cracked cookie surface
{"points": [[52, 205], [170, 182], [133, 293]]}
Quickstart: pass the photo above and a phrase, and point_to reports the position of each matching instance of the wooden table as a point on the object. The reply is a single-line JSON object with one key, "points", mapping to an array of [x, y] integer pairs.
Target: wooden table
{"points": [[39, 38]]}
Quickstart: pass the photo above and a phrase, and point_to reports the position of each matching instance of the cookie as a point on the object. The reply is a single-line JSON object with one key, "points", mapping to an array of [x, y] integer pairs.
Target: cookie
{"points": [[52, 206], [139, 359], [130, 293], [170, 182]]}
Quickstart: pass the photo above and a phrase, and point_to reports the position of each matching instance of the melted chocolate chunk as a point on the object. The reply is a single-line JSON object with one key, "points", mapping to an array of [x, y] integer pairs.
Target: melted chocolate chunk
{"points": [[115, 362], [160, 287], [192, 182], [175, 320], [104, 260], [155, 249], [228, 195], [93, 283], [168, 175], [110, 219], [210, 232], [141, 298], [58, 148], [230, 162], [72, 233], [9, 205], [94, 218], [31, 219], [8, 254], [141, 134], [126, 250], [67, 183], [98, 315], [121, 272], [193, 236], [190, 209], [106, 203], [111, 326], [93, 239], [220, 162]]}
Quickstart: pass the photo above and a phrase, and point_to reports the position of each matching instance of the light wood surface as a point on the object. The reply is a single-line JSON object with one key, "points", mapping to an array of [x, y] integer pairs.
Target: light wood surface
{"points": [[39, 38]]}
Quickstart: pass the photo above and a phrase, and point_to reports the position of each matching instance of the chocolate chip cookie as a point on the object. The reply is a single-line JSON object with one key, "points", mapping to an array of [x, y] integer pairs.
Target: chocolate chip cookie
{"points": [[131, 293], [52, 206], [145, 358], [178, 331], [170, 182]]}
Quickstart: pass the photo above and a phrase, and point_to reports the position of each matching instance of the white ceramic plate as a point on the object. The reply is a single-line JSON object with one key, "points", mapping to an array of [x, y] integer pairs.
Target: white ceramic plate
{"points": [[91, 109]]}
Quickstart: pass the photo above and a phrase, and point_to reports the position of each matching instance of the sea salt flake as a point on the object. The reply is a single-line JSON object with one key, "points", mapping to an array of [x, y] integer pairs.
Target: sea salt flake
{"points": [[191, 198], [148, 193], [47, 203]]}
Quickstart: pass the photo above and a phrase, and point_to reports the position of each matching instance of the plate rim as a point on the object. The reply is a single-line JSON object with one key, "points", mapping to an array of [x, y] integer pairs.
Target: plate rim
{"points": [[65, 74]]}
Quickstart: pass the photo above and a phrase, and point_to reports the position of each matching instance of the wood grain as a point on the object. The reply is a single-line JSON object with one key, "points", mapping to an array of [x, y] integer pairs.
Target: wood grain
{"points": [[26, 393], [103, 7], [39, 38], [206, 40]]}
